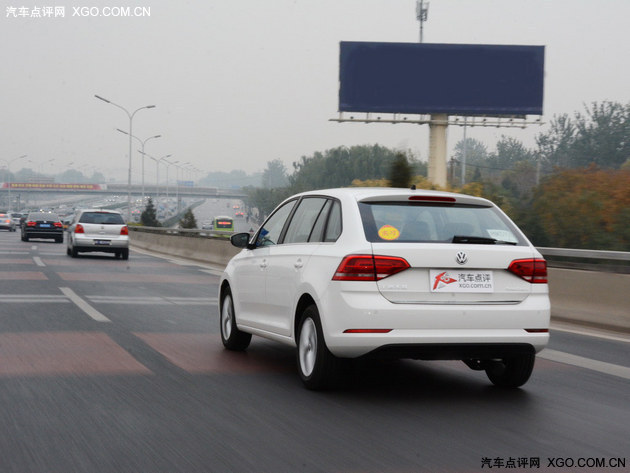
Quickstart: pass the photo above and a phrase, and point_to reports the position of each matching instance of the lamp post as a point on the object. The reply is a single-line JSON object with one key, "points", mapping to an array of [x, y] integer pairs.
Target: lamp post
{"points": [[142, 152], [168, 164], [157, 174], [9, 172], [130, 115]]}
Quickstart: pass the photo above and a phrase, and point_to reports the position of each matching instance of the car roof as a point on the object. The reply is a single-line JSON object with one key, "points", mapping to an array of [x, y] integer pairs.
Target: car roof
{"points": [[394, 194]]}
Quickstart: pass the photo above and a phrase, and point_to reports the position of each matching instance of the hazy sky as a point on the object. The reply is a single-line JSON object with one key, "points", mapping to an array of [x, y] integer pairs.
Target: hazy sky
{"points": [[238, 83]]}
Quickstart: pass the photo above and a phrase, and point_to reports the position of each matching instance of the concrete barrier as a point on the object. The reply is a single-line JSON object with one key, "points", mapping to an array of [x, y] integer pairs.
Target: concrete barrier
{"points": [[584, 297], [215, 251], [590, 298]]}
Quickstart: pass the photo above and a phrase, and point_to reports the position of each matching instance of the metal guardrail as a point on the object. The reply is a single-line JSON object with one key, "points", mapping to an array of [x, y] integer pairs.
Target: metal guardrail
{"points": [[568, 254], [184, 232], [588, 254]]}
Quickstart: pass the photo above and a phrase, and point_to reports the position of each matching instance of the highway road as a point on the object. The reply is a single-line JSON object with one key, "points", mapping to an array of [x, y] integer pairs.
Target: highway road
{"points": [[117, 366]]}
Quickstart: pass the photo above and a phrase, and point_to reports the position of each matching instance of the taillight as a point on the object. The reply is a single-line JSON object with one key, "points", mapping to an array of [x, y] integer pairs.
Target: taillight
{"points": [[532, 270], [368, 267], [31, 224], [78, 228], [124, 230], [58, 225]]}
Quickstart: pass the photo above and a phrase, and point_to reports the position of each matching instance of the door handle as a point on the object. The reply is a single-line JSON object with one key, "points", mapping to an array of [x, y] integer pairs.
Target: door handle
{"points": [[298, 264], [263, 264]]}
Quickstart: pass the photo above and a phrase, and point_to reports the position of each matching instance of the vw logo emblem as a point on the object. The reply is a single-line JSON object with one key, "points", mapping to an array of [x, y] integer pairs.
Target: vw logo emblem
{"points": [[461, 258]]}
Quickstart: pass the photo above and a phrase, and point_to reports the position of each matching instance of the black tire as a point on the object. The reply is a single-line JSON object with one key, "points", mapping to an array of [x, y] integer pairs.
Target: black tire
{"points": [[23, 237], [73, 252], [318, 367], [512, 372], [231, 336], [68, 251], [125, 253]]}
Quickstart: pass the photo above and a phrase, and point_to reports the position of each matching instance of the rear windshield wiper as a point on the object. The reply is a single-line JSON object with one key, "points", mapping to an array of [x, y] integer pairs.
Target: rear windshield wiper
{"points": [[476, 240]]}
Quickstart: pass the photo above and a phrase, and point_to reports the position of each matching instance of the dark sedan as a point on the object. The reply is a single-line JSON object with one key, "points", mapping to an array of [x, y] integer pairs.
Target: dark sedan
{"points": [[42, 225]]}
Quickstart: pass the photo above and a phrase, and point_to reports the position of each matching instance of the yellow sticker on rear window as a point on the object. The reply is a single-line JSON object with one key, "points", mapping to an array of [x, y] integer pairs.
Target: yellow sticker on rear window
{"points": [[387, 232]]}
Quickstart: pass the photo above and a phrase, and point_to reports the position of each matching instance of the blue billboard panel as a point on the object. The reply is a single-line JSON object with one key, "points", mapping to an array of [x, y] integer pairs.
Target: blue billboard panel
{"points": [[456, 79]]}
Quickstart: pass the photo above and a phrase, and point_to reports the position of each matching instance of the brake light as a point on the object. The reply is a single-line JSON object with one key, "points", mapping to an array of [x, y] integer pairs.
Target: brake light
{"points": [[31, 224], [433, 198], [58, 224], [124, 230], [368, 267], [78, 228], [532, 270]]}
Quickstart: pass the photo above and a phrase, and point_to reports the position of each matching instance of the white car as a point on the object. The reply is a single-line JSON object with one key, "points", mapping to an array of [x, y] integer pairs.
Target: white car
{"points": [[378, 272], [98, 230]]}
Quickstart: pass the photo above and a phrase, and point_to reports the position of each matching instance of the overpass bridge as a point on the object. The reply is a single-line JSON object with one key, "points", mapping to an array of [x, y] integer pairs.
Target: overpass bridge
{"points": [[6, 188]]}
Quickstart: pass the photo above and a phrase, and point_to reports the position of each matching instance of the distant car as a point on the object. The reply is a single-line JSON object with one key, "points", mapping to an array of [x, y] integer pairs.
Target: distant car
{"points": [[42, 225], [7, 223], [389, 273], [98, 230], [16, 217], [239, 214]]}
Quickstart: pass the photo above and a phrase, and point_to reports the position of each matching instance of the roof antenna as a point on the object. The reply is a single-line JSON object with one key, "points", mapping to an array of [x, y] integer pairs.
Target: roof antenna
{"points": [[413, 187]]}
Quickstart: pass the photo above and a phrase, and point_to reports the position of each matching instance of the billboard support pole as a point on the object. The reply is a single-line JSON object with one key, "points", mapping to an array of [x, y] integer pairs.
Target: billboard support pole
{"points": [[437, 149]]}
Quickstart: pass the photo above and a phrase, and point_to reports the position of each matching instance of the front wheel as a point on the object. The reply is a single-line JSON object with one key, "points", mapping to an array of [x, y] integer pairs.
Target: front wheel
{"points": [[231, 336], [511, 372], [317, 366]]}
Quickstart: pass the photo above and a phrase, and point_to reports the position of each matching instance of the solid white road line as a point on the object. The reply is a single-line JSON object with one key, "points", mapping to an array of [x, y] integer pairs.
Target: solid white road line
{"points": [[580, 361], [84, 306]]}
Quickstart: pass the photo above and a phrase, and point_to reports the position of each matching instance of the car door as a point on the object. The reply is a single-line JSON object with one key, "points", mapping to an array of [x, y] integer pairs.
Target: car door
{"points": [[286, 262], [250, 271]]}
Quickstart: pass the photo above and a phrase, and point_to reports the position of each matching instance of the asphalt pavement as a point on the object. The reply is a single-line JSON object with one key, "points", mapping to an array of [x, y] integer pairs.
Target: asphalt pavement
{"points": [[117, 366]]}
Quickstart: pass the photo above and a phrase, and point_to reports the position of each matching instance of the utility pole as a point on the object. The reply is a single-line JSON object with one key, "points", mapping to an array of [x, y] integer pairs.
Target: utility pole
{"points": [[422, 14]]}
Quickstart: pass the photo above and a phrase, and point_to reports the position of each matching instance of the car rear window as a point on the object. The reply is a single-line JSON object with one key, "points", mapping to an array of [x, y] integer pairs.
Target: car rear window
{"points": [[398, 222], [38, 216], [102, 218]]}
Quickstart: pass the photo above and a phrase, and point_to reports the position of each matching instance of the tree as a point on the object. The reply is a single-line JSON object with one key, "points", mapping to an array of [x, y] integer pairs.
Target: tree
{"points": [[275, 175], [400, 172], [188, 220], [148, 218]]}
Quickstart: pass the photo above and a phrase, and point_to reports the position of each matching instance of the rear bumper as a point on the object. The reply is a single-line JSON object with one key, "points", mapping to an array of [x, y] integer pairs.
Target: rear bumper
{"points": [[427, 331], [44, 234], [115, 243]]}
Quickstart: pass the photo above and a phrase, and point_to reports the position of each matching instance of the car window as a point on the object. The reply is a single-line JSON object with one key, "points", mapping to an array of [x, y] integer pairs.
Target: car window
{"points": [[43, 216], [333, 228], [270, 232], [102, 218], [411, 222], [317, 234], [303, 219]]}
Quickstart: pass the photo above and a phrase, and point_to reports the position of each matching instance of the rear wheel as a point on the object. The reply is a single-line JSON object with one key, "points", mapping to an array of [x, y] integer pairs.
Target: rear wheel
{"points": [[73, 252], [317, 366], [125, 253], [511, 372], [231, 336]]}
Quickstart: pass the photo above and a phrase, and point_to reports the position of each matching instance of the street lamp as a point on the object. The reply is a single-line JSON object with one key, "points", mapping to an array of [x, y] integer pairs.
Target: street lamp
{"points": [[142, 152], [157, 174], [168, 164], [130, 115], [9, 172]]}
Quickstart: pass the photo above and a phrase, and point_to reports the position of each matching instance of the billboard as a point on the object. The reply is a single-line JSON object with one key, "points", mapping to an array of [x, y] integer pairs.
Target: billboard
{"points": [[456, 79]]}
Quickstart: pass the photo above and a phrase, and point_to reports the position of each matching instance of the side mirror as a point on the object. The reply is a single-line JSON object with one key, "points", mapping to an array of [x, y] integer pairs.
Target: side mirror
{"points": [[240, 240]]}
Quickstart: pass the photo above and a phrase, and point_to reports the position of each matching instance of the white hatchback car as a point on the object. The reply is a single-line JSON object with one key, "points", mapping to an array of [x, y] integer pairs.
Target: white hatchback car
{"points": [[98, 230], [347, 273]]}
